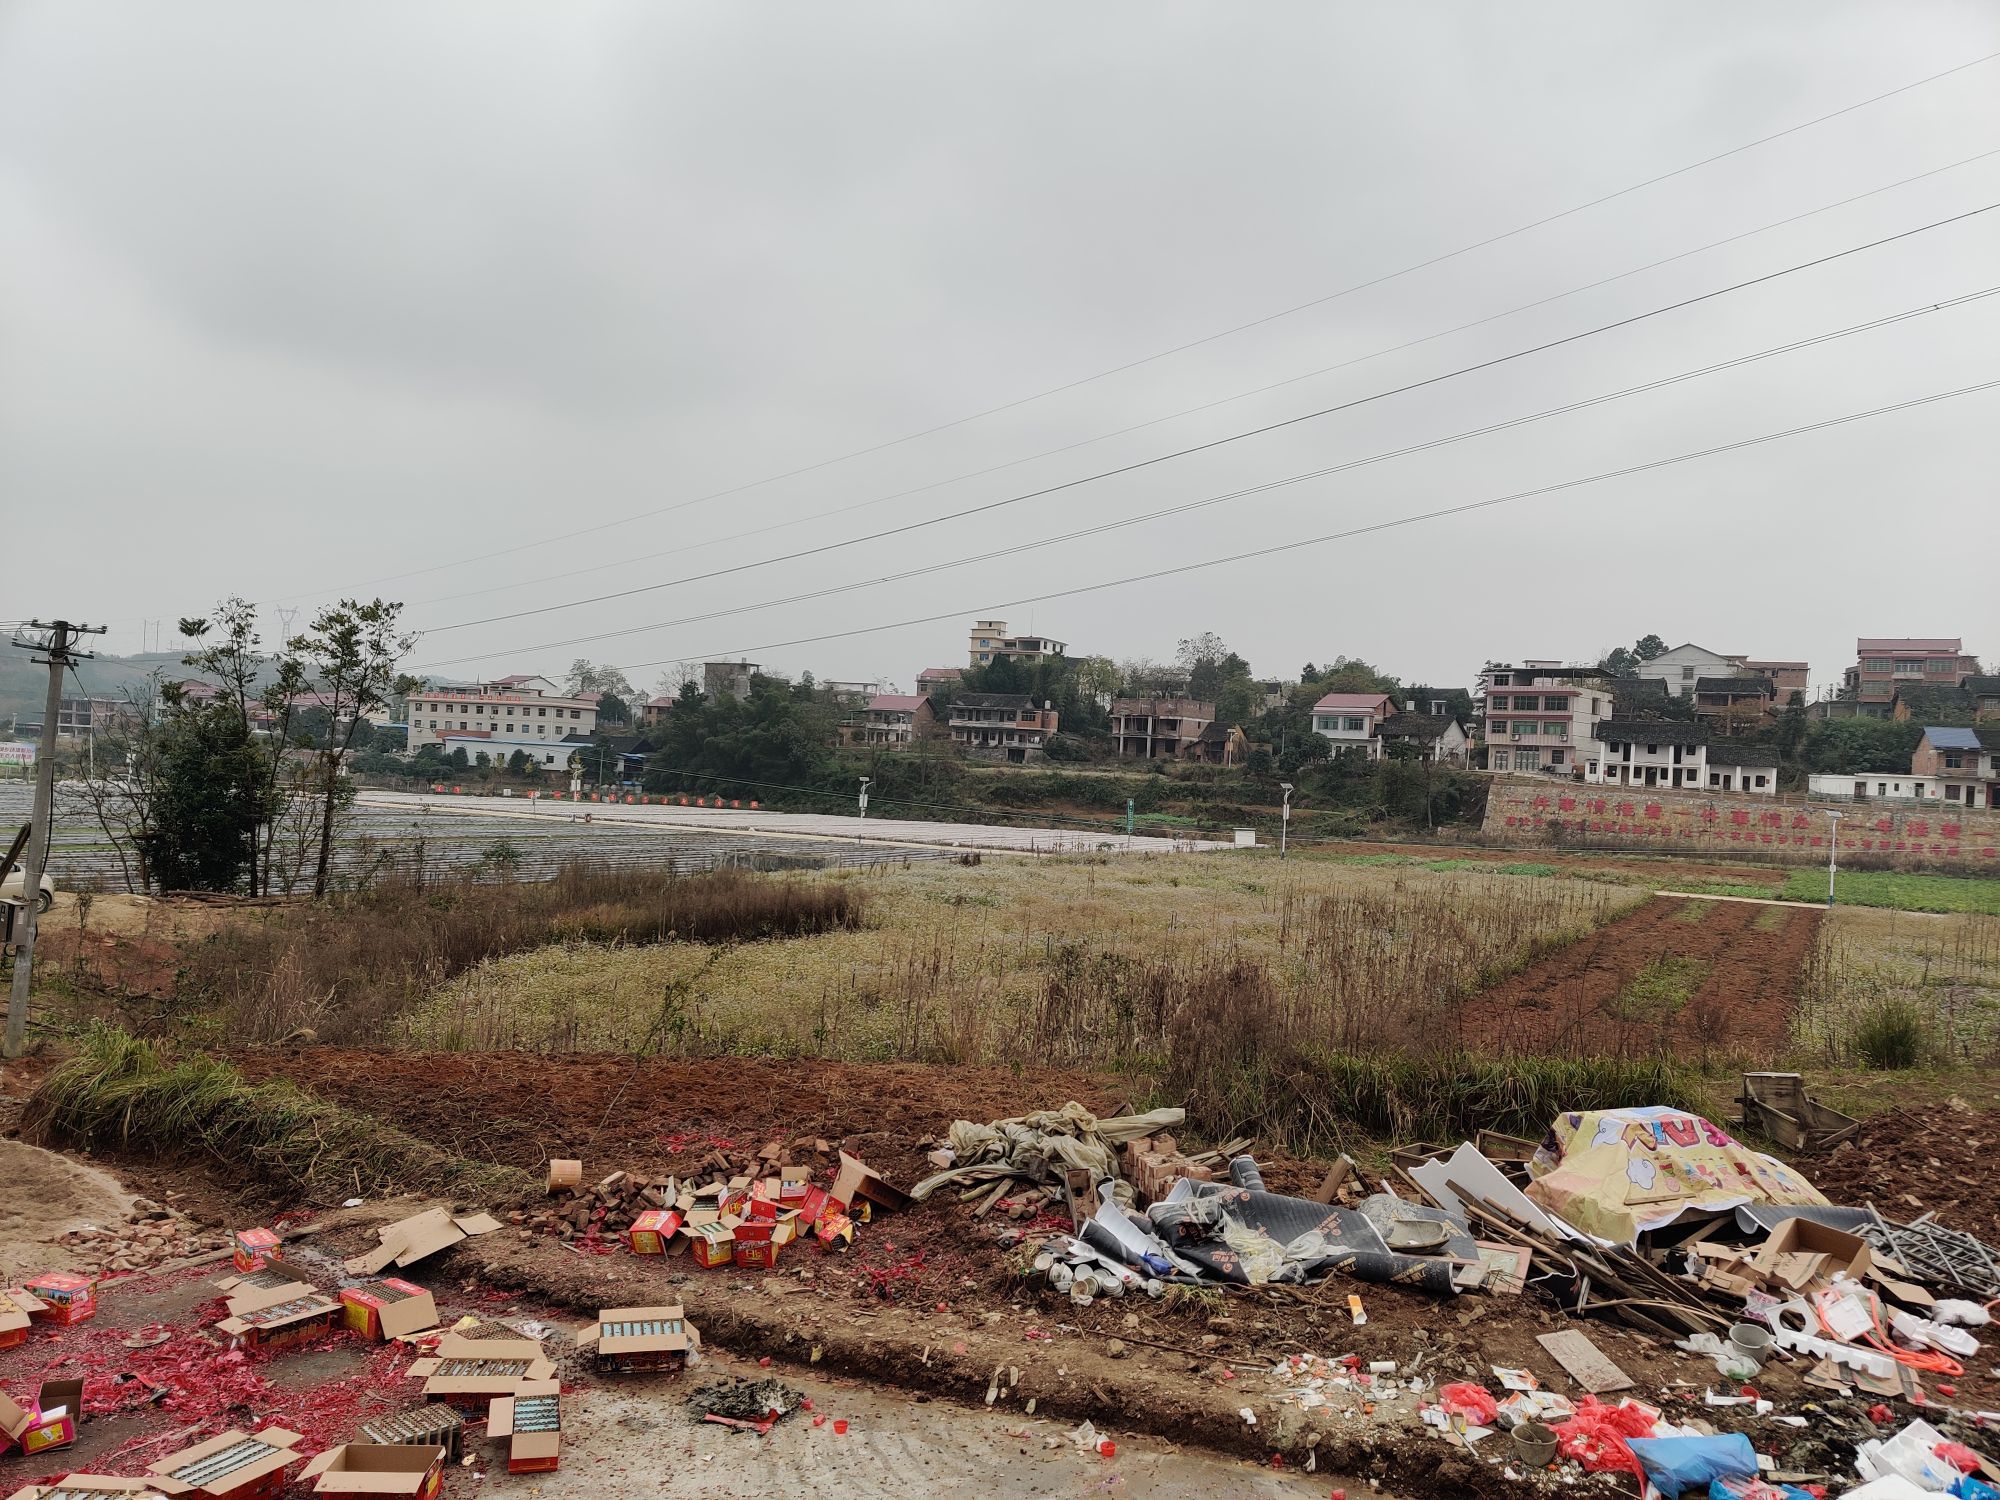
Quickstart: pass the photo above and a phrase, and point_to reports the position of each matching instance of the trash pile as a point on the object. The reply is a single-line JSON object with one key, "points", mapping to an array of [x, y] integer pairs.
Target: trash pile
{"points": [[737, 1208]]}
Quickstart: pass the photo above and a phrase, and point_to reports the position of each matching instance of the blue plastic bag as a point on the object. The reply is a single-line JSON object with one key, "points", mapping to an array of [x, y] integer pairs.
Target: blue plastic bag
{"points": [[1973, 1488], [1676, 1464], [1755, 1489]]}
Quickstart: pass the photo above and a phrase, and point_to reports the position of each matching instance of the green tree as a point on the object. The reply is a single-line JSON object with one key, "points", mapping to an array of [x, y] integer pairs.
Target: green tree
{"points": [[518, 763], [612, 709], [460, 761], [1852, 745], [1791, 736], [226, 649], [351, 651], [206, 810]]}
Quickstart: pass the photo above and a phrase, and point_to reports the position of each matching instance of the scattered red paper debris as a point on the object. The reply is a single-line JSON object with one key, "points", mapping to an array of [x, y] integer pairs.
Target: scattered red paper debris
{"points": [[819, 1421], [1947, 1390], [764, 1363], [1035, 1334], [1878, 1412]]}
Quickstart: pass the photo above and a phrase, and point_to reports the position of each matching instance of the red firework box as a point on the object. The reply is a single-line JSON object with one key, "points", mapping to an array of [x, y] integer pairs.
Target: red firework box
{"points": [[652, 1231], [18, 1307], [250, 1248], [66, 1297], [711, 1244], [793, 1185], [50, 1422], [756, 1243], [387, 1309]]}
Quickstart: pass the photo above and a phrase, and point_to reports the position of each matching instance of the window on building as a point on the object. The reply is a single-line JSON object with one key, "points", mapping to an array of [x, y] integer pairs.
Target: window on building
{"points": [[541, 713], [1558, 730], [1527, 760], [1556, 705], [1687, 674], [1951, 794], [1952, 761], [1352, 725], [1555, 757], [1652, 749], [1760, 778], [1940, 665], [1905, 665], [1498, 726]]}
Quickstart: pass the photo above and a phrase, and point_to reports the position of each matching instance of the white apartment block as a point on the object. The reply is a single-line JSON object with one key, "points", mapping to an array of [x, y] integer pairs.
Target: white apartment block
{"points": [[511, 709]]}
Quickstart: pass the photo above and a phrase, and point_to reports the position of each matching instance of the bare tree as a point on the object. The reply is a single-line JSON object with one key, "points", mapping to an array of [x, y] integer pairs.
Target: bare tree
{"points": [[350, 652]]}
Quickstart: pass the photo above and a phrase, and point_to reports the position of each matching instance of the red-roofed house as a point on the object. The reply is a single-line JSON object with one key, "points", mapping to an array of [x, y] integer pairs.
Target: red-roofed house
{"points": [[932, 678], [1887, 662], [896, 719], [1351, 721]]}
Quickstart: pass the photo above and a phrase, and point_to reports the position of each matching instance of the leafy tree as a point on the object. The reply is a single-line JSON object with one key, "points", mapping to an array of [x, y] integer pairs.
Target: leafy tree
{"points": [[460, 761], [207, 772], [1649, 646], [772, 737], [518, 763], [1855, 745], [1791, 736], [612, 709], [1097, 676], [226, 648], [351, 651], [1066, 747], [586, 679], [1623, 661]]}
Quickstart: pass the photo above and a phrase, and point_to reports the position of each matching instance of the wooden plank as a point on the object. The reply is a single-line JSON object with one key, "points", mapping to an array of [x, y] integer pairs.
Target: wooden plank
{"points": [[1329, 1187], [1585, 1363]]}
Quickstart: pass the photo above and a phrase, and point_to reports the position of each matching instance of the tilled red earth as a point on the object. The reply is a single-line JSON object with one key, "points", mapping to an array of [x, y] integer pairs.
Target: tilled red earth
{"points": [[1581, 1000], [1908, 1162]]}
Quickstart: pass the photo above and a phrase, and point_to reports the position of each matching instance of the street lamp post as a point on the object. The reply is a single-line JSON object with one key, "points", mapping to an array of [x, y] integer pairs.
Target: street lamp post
{"points": [[1284, 817], [1832, 853], [864, 794]]}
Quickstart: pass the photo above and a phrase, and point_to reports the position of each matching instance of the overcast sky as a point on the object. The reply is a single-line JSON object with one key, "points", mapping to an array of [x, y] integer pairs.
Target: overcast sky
{"points": [[298, 300]]}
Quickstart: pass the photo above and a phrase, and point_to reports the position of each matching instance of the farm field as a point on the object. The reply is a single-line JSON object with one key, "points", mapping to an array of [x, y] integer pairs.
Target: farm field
{"points": [[1935, 893], [1687, 978]]}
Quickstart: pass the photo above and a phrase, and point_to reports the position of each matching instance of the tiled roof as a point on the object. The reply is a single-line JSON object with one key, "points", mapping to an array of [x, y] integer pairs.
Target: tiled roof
{"points": [[1741, 687], [1985, 687], [1926, 643], [896, 703], [1651, 732], [1351, 700], [1407, 726], [993, 700], [1732, 753]]}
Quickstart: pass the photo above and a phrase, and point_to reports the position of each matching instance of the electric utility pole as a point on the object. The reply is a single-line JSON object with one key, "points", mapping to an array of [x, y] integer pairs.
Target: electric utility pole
{"points": [[57, 646]]}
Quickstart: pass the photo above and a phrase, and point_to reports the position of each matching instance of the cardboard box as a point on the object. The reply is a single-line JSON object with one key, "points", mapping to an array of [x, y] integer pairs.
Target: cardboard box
{"points": [[1799, 1252], [857, 1180], [252, 1247], [48, 1423], [304, 1313], [66, 1298], [651, 1231], [792, 1185], [531, 1421], [234, 1466], [712, 1243], [410, 1240], [92, 1487], [468, 1373], [387, 1309], [378, 1469], [756, 1244], [634, 1339], [812, 1203], [18, 1307], [432, 1426], [564, 1173]]}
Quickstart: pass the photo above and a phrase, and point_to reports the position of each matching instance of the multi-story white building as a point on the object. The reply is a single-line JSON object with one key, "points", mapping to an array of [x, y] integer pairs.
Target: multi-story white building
{"points": [[1540, 714], [1350, 721], [989, 642], [518, 712], [1672, 753]]}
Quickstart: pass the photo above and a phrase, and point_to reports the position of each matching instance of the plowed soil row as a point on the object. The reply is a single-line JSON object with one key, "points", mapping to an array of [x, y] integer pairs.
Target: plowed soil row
{"points": [[1582, 999]]}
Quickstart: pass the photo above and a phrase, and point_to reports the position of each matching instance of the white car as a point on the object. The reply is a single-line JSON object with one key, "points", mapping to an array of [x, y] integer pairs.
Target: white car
{"points": [[17, 882]]}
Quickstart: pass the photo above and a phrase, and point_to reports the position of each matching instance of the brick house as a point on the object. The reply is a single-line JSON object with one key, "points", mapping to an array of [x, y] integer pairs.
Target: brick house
{"points": [[1548, 728], [1885, 662], [1736, 700], [1006, 725], [1438, 738], [1158, 728], [1349, 721], [1962, 762], [1218, 745], [896, 719]]}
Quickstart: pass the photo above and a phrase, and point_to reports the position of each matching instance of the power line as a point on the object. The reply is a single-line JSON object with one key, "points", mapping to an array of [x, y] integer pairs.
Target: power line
{"points": [[1334, 536], [1181, 348], [1237, 437], [1189, 411], [1256, 489]]}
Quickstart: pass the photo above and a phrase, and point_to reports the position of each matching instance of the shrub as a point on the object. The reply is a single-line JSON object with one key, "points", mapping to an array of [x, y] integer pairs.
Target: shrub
{"points": [[1891, 1033]]}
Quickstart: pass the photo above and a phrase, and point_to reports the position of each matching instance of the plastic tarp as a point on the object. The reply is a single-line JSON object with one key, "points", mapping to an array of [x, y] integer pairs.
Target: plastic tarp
{"points": [[1042, 1146], [1617, 1173], [1247, 1237]]}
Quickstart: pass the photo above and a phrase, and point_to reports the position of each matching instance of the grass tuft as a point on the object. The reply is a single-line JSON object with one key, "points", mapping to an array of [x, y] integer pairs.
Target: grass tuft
{"points": [[1891, 1033], [120, 1091]]}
